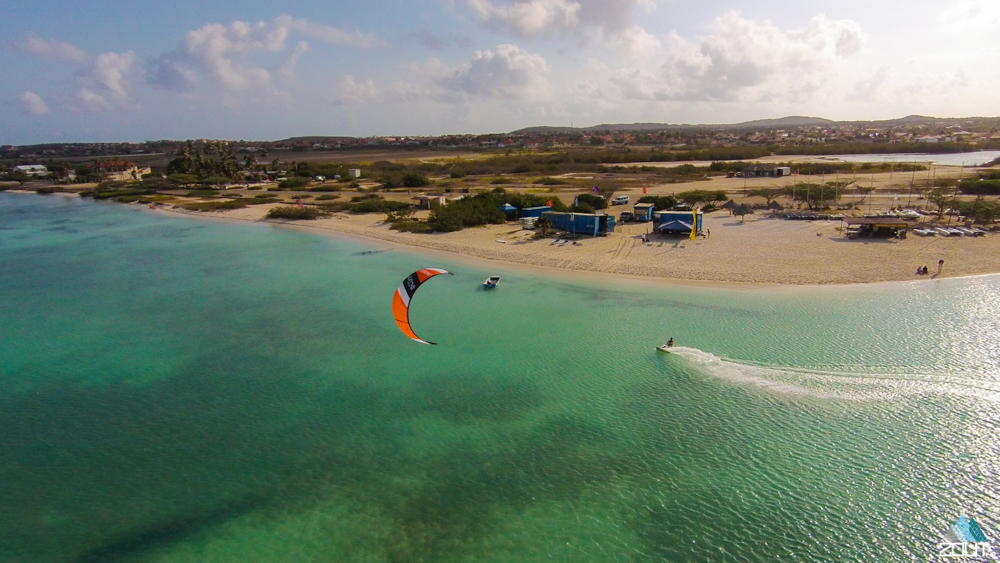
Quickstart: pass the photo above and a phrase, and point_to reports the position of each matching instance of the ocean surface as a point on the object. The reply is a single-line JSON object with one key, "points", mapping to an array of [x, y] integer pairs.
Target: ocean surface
{"points": [[181, 390]]}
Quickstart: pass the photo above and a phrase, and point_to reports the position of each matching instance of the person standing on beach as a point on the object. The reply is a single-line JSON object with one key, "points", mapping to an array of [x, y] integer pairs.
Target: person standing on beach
{"points": [[940, 265]]}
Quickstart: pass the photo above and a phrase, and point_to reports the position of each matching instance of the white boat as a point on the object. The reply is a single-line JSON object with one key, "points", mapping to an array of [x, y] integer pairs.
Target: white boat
{"points": [[491, 282]]}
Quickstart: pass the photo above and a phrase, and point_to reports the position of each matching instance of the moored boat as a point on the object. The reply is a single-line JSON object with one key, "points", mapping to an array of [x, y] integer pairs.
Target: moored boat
{"points": [[491, 282]]}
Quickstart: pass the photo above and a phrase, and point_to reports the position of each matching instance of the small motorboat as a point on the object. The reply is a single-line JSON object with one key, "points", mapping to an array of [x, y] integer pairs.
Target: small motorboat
{"points": [[491, 282]]}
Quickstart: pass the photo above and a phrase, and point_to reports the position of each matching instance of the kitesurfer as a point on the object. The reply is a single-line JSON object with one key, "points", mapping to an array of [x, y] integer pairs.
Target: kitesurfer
{"points": [[670, 343]]}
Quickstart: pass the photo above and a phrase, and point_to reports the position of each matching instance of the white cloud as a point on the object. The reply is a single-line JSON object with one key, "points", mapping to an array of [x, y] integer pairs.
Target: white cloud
{"points": [[969, 15], [51, 50], [351, 92], [33, 103], [614, 20], [287, 67], [744, 60], [507, 71], [224, 53], [107, 81]]}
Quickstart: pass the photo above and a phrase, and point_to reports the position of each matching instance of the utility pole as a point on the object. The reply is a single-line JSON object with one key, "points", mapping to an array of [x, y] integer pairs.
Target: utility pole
{"points": [[954, 196]]}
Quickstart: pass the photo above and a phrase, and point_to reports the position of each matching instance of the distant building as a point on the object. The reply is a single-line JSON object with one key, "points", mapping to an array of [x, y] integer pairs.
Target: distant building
{"points": [[354, 172], [121, 171], [32, 170], [927, 139], [429, 201]]}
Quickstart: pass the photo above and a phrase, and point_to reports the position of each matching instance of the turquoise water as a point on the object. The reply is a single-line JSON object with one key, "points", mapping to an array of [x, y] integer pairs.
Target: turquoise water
{"points": [[178, 390]]}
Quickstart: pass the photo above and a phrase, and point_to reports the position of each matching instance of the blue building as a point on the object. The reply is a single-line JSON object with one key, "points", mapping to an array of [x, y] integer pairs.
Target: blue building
{"points": [[679, 221], [581, 223], [534, 211], [644, 212]]}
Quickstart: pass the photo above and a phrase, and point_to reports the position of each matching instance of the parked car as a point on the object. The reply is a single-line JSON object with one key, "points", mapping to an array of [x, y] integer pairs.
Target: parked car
{"points": [[620, 200], [626, 216]]}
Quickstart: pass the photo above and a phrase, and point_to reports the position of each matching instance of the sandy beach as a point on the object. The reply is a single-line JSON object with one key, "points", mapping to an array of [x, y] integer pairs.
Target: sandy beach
{"points": [[759, 250]]}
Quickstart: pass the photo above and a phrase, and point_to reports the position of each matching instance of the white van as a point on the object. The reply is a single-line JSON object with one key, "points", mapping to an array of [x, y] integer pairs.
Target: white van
{"points": [[620, 200]]}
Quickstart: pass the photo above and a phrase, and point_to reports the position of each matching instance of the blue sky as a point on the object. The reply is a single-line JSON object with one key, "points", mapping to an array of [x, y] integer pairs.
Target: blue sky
{"points": [[139, 70]]}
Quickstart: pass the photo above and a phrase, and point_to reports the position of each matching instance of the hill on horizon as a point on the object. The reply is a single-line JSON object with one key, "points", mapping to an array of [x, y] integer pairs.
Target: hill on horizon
{"points": [[788, 121]]}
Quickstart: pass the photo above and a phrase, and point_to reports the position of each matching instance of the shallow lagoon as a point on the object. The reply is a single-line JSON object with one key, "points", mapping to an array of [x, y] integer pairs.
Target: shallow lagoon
{"points": [[185, 390]]}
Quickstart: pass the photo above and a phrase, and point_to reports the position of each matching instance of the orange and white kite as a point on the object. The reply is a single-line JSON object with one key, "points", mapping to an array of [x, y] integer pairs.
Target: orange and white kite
{"points": [[404, 293]]}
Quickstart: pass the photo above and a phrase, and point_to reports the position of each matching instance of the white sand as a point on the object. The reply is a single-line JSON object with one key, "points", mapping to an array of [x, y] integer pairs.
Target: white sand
{"points": [[760, 250]]}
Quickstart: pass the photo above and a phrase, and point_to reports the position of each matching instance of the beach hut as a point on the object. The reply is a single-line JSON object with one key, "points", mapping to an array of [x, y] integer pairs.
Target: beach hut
{"points": [[874, 227], [643, 212], [581, 223]]}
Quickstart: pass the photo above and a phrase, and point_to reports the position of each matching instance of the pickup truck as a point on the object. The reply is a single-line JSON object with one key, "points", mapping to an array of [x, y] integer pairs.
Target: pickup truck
{"points": [[626, 216]]}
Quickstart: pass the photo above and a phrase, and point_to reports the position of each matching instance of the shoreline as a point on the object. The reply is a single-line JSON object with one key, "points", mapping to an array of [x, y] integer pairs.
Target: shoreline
{"points": [[447, 249], [759, 253]]}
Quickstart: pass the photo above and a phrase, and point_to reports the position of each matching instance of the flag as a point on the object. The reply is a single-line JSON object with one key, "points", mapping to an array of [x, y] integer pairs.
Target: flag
{"points": [[595, 189], [299, 201], [576, 201], [644, 189], [549, 203], [694, 225]]}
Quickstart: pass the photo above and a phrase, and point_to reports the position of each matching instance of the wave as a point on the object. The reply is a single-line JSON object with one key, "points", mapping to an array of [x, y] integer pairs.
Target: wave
{"points": [[832, 384]]}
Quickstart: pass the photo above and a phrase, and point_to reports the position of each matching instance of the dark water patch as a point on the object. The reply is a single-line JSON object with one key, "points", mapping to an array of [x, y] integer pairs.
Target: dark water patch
{"points": [[139, 467], [161, 535], [458, 503], [470, 398]]}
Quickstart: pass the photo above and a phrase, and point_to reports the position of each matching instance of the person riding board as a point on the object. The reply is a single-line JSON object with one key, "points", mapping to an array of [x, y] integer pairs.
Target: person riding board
{"points": [[670, 343]]}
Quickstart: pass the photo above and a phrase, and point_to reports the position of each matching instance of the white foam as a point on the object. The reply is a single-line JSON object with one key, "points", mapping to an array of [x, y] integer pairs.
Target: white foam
{"points": [[830, 384]]}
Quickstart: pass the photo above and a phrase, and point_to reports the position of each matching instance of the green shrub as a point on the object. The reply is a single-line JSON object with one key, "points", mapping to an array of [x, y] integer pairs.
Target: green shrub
{"points": [[415, 180], [326, 197], [293, 182], [294, 212], [214, 205], [501, 181], [253, 188], [202, 193], [661, 203], [261, 200], [548, 181], [592, 201], [458, 173], [411, 226], [325, 188]]}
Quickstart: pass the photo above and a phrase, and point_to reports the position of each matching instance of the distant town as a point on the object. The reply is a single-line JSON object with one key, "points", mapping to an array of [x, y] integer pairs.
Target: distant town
{"points": [[779, 135]]}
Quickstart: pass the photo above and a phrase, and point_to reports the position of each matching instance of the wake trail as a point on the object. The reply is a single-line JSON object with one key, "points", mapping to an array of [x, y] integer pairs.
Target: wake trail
{"points": [[833, 384]]}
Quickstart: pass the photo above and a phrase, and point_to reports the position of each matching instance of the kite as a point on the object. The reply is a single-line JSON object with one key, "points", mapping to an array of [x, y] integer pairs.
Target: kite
{"points": [[404, 293]]}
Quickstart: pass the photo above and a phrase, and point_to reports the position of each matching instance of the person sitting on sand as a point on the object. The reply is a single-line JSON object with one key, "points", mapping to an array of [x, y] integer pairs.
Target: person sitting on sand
{"points": [[670, 343], [926, 271]]}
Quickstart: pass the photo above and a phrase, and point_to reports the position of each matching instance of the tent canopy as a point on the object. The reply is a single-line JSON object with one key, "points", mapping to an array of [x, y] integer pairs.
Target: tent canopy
{"points": [[508, 208], [675, 226]]}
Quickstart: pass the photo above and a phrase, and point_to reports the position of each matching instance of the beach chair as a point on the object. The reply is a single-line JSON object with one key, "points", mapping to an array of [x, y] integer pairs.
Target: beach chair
{"points": [[554, 242], [563, 243]]}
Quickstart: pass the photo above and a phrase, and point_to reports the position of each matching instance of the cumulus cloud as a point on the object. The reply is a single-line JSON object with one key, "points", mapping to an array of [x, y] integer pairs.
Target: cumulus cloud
{"points": [[34, 104], [107, 81], [744, 60], [223, 53], [506, 71], [614, 20], [969, 15], [51, 50], [351, 92]]}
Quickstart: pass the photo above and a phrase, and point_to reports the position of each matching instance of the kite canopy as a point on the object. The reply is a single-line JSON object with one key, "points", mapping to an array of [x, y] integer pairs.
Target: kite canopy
{"points": [[404, 293]]}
